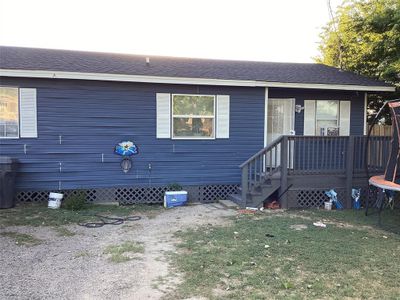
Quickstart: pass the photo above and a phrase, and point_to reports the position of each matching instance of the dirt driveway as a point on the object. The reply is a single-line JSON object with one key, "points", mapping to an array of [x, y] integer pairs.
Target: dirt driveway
{"points": [[76, 267]]}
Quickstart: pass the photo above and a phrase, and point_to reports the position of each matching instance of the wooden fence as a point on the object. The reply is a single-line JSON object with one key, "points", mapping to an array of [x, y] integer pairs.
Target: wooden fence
{"points": [[381, 130]]}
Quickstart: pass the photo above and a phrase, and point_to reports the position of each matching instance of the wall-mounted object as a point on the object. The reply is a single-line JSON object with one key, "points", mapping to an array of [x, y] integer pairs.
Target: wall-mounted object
{"points": [[126, 149], [298, 108]]}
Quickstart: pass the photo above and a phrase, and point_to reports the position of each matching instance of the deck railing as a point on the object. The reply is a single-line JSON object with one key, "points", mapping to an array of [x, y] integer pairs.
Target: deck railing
{"points": [[315, 155], [262, 165]]}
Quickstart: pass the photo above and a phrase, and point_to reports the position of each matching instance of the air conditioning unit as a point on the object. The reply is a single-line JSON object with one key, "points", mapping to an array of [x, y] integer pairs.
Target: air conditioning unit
{"points": [[329, 131]]}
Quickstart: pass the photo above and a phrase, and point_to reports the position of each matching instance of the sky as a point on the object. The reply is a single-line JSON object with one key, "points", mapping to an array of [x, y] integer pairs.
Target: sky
{"points": [[265, 30]]}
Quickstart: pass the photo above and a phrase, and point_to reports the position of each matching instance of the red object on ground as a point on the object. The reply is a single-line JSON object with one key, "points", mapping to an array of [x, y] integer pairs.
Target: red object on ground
{"points": [[272, 205]]}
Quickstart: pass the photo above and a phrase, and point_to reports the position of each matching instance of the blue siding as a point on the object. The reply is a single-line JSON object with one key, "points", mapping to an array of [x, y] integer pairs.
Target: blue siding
{"points": [[92, 117]]}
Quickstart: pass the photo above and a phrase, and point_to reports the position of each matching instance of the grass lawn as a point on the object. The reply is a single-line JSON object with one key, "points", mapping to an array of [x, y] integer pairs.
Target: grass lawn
{"points": [[118, 252], [37, 214], [264, 256]]}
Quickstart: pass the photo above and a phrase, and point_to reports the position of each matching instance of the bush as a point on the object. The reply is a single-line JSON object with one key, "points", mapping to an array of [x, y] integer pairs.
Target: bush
{"points": [[174, 187], [75, 201]]}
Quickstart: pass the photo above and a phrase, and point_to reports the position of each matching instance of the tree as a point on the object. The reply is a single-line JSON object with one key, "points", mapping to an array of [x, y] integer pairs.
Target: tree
{"points": [[364, 37]]}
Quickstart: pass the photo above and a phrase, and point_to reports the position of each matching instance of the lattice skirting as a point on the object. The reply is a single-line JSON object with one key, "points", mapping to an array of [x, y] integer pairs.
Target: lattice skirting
{"points": [[134, 195], [302, 198], [372, 196], [311, 197]]}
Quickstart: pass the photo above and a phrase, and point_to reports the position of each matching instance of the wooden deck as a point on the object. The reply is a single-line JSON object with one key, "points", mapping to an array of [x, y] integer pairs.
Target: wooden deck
{"points": [[305, 166]]}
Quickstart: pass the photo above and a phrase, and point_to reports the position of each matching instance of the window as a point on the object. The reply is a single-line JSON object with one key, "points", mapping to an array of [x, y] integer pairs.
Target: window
{"points": [[193, 116], [327, 117], [9, 112]]}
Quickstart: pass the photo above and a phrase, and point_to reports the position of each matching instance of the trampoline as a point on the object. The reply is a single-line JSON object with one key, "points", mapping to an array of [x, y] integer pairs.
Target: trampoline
{"points": [[390, 180]]}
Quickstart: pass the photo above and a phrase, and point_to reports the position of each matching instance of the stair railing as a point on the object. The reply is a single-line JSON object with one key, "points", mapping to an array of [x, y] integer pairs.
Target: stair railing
{"points": [[262, 166]]}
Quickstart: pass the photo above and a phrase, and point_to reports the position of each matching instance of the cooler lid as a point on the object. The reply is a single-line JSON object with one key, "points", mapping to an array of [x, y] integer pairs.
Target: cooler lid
{"points": [[176, 193]]}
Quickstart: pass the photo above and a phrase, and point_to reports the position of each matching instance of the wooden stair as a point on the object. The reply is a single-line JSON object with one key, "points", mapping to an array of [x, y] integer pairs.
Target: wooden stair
{"points": [[258, 195], [262, 174]]}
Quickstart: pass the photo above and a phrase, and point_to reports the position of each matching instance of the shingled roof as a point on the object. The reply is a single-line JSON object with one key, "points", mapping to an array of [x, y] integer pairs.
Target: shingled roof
{"points": [[18, 58]]}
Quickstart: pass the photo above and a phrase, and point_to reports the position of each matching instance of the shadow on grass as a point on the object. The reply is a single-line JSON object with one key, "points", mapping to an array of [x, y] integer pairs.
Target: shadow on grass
{"points": [[37, 214], [390, 219], [264, 257]]}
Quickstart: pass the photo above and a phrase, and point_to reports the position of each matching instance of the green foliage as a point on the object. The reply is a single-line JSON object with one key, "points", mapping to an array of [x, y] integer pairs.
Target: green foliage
{"points": [[174, 187], [364, 38], [75, 201]]}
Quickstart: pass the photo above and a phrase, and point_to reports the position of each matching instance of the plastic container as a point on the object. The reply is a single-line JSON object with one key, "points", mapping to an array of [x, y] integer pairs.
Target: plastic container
{"points": [[8, 171], [328, 205], [55, 200], [175, 198]]}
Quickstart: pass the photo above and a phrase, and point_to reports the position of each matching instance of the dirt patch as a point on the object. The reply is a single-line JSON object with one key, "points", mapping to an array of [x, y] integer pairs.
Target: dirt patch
{"points": [[75, 266]]}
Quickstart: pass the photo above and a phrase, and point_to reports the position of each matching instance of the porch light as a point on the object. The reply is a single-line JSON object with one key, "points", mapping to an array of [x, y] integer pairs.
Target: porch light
{"points": [[298, 108]]}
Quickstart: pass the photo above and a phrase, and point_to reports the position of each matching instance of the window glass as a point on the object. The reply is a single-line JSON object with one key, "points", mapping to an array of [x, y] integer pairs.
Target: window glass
{"points": [[193, 116], [194, 105], [327, 110], [327, 116], [193, 127], [9, 119]]}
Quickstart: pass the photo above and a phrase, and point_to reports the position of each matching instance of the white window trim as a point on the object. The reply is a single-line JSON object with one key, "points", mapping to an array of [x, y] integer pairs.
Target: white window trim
{"points": [[266, 100], [19, 115], [193, 116]]}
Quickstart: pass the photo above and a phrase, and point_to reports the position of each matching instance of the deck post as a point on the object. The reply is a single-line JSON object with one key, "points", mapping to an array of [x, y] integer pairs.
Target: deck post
{"points": [[349, 171], [245, 183], [284, 171]]}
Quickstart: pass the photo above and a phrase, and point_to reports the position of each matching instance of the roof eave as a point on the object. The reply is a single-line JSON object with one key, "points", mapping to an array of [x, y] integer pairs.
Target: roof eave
{"points": [[184, 80]]}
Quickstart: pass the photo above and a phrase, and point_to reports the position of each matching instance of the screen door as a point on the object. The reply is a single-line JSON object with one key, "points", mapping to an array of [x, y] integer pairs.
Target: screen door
{"points": [[280, 121]]}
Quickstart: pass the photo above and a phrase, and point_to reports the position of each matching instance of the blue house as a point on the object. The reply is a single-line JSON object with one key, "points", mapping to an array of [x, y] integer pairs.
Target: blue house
{"points": [[194, 121]]}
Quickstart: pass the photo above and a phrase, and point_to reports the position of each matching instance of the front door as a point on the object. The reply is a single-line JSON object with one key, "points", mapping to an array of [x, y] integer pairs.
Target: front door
{"points": [[280, 119]]}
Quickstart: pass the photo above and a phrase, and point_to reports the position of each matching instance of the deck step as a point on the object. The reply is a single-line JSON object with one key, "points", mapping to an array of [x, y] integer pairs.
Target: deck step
{"points": [[256, 197], [237, 198]]}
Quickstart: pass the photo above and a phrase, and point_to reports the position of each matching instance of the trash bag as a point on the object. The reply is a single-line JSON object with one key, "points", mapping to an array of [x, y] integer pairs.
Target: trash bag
{"points": [[332, 195], [355, 194]]}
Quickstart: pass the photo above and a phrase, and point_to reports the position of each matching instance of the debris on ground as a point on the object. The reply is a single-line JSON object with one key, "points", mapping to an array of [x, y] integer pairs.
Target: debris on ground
{"points": [[332, 195], [272, 205], [319, 224], [252, 208], [246, 211]]}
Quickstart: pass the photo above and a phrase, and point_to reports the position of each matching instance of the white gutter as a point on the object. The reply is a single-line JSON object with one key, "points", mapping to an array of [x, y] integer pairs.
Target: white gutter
{"points": [[346, 87], [185, 80]]}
